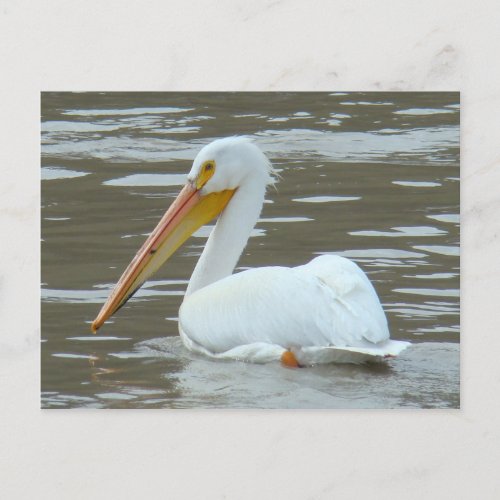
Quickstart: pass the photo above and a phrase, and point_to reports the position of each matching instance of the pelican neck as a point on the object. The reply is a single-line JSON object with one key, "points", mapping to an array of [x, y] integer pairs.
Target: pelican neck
{"points": [[229, 236]]}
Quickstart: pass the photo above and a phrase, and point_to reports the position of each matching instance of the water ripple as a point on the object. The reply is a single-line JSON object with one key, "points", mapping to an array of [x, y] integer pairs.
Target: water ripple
{"points": [[148, 180], [440, 249], [398, 232], [326, 199], [124, 111]]}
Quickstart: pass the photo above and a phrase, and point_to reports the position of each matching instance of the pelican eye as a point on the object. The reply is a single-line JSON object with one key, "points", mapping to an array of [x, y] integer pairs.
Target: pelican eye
{"points": [[206, 172]]}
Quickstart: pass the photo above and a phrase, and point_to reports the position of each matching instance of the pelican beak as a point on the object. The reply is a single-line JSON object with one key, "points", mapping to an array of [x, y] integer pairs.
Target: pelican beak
{"points": [[188, 212]]}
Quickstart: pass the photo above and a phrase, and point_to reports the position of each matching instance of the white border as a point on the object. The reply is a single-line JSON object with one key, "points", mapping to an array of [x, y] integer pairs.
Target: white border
{"points": [[242, 45]]}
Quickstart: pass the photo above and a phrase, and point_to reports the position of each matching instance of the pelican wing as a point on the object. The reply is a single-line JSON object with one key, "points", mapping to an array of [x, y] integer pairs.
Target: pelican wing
{"points": [[326, 303]]}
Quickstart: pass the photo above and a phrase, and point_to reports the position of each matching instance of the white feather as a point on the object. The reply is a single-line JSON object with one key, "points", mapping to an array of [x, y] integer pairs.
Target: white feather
{"points": [[326, 303]]}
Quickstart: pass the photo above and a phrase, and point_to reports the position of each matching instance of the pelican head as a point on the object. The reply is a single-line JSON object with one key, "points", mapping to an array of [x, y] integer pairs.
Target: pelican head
{"points": [[219, 170], [227, 164]]}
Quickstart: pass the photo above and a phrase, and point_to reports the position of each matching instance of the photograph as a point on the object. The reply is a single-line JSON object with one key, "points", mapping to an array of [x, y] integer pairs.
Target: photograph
{"points": [[250, 250]]}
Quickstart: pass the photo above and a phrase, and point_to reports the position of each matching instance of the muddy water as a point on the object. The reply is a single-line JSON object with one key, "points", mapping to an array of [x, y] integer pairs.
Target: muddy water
{"points": [[371, 176]]}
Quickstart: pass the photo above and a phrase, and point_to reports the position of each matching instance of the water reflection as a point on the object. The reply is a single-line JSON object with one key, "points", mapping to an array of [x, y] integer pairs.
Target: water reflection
{"points": [[148, 180]]}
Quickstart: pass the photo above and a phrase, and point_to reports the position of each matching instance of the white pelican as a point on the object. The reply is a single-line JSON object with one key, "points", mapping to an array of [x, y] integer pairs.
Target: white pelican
{"points": [[324, 311]]}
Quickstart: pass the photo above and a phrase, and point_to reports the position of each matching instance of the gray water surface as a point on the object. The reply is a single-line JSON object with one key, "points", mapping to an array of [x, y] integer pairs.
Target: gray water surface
{"points": [[370, 176]]}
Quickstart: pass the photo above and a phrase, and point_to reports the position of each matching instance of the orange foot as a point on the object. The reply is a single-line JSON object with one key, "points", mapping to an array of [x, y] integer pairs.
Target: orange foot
{"points": [[288, 359]]}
